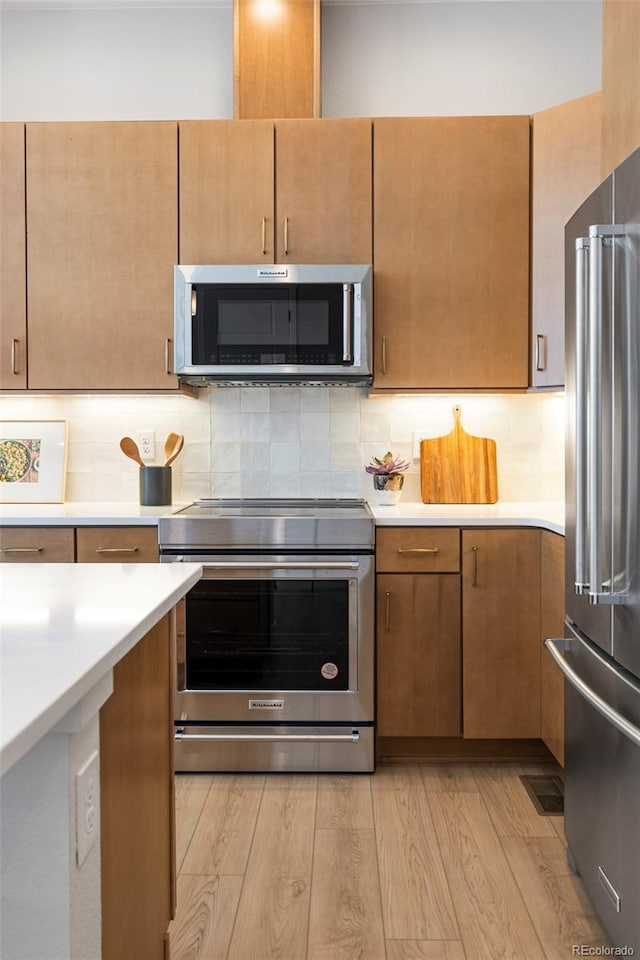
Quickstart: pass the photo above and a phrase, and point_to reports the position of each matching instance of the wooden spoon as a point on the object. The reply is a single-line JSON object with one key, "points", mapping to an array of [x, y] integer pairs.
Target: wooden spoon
{"points": [[176, 450], [130, 449], [170, 445]]}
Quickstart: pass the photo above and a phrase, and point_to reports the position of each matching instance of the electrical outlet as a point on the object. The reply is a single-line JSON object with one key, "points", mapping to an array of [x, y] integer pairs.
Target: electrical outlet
{"points": [[87, 807], [147, 445]]}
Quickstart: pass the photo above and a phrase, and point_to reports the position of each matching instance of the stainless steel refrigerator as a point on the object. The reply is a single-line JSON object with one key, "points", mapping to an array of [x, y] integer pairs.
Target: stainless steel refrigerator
{"points": [[600, 655]]}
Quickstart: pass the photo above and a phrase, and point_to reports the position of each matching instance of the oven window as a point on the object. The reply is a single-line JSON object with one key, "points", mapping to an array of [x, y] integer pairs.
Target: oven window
{"points": [[268, 635]]}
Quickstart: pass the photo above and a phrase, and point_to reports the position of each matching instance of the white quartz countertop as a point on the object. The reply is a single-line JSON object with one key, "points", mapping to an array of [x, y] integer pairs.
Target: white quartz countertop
{"points": [[63, 626], [549, 516], [81, 514]]}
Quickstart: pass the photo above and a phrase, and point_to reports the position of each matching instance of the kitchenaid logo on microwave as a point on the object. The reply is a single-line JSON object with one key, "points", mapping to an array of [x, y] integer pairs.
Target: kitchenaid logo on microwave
{"points": [[266, 704], [272, 273]]}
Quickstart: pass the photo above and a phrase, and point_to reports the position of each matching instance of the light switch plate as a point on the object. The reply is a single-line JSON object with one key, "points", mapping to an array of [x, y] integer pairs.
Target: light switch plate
{"points": [[87, 806]]}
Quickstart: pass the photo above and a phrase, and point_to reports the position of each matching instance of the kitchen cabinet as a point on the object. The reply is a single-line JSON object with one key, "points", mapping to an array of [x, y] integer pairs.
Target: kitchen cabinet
{"points": [[620, 82], [552, 581], [117, 544], [37, 545], [13, 303], [102, 228], [418, 633], [451, 242], [137, 802], [296, 191], [501, 633], [565, 169]]}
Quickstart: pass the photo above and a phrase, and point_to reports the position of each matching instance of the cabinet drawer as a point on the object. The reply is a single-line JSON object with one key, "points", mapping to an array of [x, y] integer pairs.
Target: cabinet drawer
{"points": [[117, 544], [36, 545], [418, 550]]}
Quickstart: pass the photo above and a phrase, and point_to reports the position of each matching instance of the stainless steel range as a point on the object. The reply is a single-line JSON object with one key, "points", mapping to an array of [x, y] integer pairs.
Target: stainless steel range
{"points": [[274, 661]]}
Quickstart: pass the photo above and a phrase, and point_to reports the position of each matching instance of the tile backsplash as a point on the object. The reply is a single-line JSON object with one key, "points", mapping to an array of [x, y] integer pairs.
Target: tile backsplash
{"points": [[296, 441]]}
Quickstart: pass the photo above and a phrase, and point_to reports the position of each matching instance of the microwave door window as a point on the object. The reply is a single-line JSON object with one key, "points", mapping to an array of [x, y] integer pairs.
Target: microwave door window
{"points": [[244, 325], [319, 323]]}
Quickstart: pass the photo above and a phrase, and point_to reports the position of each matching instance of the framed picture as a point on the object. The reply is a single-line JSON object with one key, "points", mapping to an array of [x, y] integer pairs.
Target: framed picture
{"points": [[33, 461]]}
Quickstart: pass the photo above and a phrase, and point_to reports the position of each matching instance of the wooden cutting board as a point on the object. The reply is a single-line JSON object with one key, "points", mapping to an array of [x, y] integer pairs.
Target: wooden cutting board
{"points": [[458, 468]]}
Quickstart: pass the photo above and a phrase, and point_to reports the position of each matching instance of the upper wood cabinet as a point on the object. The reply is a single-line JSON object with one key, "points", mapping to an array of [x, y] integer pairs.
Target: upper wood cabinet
{"points": [[451, 242], [501, 631], [13, 303], [565, 170], [295, 191], [620, 82], [102, 228]]}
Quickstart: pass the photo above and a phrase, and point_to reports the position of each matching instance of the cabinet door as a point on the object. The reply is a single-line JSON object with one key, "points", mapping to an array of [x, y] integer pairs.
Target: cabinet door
{"points": [[13, 303], [620, 82], [323, 191], [102, 241], [501, 633], [418, 686], [226, 191], [117, 544], [37, 545], [551, 625], [451, 242], [565, 170], [136, 784]]}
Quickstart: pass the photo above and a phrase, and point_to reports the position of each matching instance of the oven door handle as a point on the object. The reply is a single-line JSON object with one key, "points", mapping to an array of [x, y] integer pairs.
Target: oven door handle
{"points": [[276, 565], [352, 737]]}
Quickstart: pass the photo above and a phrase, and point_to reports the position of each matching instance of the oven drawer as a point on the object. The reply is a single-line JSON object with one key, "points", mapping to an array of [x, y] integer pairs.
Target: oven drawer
{"points": [[418, 550], [262, 749]]}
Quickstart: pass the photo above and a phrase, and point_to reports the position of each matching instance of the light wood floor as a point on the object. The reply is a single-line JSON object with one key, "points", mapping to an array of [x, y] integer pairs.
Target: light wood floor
{"points": [[415, 862]]}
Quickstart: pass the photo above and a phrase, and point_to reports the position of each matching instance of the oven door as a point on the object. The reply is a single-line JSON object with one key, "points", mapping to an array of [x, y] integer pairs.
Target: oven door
{"points": [[277, 640]]}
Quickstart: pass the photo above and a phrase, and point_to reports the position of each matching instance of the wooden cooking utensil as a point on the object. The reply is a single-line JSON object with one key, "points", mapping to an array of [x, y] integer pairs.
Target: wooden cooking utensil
{"points": [[177, 447], [169, 445], [130, 449], [458, 468]]}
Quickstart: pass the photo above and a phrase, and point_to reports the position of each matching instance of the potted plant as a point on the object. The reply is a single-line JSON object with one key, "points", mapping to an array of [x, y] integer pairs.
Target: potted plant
{"points": [[388, 477]]}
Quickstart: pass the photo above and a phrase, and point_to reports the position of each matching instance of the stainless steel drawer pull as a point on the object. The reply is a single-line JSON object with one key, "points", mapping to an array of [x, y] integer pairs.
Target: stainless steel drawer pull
{"points": [[264, 235], [167, 355], [21, 550], [384, 354], [353, 737], [286, 235], [116, 549], [474, 576], [387, 610], [555, 648], [418, 550]]}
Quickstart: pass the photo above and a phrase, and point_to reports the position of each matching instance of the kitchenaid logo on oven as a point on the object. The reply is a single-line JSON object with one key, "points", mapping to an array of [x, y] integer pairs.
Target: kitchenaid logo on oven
{"points": [[266, 704], [272, 273]]}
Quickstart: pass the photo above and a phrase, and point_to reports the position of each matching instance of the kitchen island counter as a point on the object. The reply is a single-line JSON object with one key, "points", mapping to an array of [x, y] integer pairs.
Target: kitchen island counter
{"points": [[63, 627]]}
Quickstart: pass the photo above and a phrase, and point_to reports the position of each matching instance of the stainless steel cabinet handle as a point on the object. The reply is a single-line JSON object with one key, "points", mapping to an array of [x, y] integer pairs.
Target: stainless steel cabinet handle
{"points": [[194, 302], [116, 549], [14, 355], [21, 549], [474, 575], [353, 737], [384, 354], [286, 235], [347, 295], [264, 235], [419, 549], [556, 647], [387, 610], [582, 248], [167, 355], [541, 352]]}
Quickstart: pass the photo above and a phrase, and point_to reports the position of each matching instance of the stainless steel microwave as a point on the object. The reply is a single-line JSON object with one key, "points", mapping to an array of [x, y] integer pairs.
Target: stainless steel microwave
{"points": [[273, 323]]}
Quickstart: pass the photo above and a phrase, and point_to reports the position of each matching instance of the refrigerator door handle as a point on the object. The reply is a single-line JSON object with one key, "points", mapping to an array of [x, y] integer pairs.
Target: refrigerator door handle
{"points": [[582, 274], [599, 591], [556, 647]]}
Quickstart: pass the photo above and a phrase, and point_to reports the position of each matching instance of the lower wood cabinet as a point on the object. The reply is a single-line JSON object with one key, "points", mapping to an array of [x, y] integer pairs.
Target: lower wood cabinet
{"points": [[37, 545], [137, 807], [501, 631], [552, 625]]}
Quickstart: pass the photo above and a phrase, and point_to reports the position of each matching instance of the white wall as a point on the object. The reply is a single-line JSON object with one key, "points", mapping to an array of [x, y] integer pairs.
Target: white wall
{"points": [[169, 62], [458, 58]]}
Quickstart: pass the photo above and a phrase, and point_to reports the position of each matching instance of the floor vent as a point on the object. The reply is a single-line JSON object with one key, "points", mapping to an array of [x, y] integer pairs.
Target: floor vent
{"points": [[546, 793]]}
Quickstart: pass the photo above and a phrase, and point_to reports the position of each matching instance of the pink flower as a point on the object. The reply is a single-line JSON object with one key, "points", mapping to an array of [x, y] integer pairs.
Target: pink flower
{"points": [[389, 464]]}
